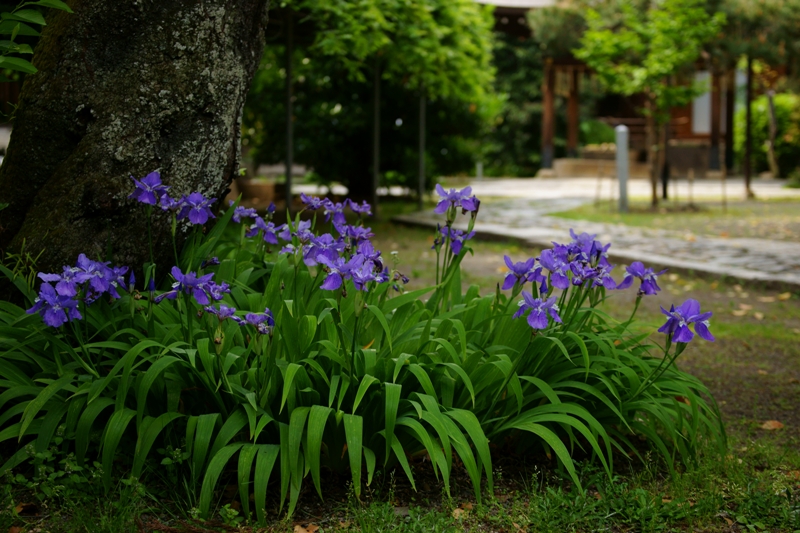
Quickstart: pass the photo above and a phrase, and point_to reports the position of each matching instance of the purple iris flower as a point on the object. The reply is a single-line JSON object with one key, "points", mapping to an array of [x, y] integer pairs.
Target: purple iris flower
{"points": [[211, 261], [471, 204], [363, 274], [264, 322], [452, 198], [168, 203], [149, 190], [554, 262], [312, 203], [224, 312], [339, 270], [217, 291], [190, 284], [55, 309], [99, 275], [457, 238], [581, 272], [66, 284], [196, 207], [363, 209], [603, 277], [522, 272], [679, 318], [366, 249], [324, 245], [539, 308], [334, 210], [244, 212], [303, 231], [586, 249], [269, 229], [356, 234], [648, 277]]}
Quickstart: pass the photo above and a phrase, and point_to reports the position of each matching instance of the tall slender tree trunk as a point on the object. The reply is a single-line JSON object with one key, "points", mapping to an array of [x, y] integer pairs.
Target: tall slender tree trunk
{"points": [[748, 134], [124, 88], [773, 132], [652, 148]]}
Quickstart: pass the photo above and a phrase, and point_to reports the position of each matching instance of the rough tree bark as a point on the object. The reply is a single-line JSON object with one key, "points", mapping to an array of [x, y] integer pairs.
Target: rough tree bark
{"points": [[125, 88]]}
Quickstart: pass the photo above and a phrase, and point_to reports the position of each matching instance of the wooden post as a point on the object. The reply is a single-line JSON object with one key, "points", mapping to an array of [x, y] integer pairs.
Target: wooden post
{"points": [[548, 114], [573, 113], [748, 138], [716, 116], [289, 111], [730, 101]]}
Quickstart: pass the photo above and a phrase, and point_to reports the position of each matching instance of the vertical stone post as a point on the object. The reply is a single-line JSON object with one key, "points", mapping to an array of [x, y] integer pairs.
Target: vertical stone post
{"points": [[622, 165]]}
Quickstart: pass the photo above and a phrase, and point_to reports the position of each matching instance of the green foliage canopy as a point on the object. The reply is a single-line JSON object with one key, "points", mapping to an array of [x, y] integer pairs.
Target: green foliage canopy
{"points": [[636, 50]]}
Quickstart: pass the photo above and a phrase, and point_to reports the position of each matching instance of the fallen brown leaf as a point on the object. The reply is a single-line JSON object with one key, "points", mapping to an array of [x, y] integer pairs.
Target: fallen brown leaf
{"points": [[763, 372], [739, 312], [518, 527], [794, 380], [305, 528], [467, 506], [758, 315], [745, 307], [714, 284], [344, 524], [26, 509], [766, 299], [666, 500], [728, 520], [15, 529], [724, 234], [771, 425], [784, 296], [458, 513]]}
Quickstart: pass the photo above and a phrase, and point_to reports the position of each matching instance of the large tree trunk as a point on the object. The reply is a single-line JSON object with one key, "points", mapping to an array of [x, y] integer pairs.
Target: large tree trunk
{"points": [[124, 88]]}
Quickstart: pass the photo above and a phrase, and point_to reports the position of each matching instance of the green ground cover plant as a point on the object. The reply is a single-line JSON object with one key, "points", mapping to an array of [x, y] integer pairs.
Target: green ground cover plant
{"points": [[266, 365]]}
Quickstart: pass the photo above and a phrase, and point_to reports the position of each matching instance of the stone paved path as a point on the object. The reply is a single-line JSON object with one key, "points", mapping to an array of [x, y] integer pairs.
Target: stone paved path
{"points": [[524, 216]]}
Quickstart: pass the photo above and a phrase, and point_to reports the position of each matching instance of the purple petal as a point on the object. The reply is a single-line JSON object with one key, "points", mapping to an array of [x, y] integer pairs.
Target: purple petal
{"points": [[537, 319], [702, 329], [683, 334], [332, 282]]}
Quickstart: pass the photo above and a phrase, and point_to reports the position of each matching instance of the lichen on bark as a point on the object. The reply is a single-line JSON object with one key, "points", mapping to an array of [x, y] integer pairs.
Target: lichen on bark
{"points": [[125, 88]]}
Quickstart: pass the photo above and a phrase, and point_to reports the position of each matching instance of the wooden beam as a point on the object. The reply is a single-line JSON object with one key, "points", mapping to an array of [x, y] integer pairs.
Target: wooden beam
{"points": [[573, 113], [548, 114]]}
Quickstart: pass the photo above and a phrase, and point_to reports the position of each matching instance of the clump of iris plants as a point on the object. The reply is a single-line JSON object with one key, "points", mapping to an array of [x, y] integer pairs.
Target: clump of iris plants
{"points": [[277, 351]]}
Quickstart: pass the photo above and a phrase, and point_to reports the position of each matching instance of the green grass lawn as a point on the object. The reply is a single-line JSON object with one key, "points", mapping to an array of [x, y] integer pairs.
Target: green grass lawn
{"points": [[769, 219], [753, 370]]}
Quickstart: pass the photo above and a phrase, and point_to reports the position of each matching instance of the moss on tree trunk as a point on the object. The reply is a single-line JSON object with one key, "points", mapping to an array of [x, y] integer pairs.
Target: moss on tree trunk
{"points": [[124, 88]]}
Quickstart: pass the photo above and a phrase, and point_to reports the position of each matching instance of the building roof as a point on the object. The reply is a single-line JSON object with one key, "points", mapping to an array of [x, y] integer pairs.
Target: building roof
{"points": [[523, 4]]}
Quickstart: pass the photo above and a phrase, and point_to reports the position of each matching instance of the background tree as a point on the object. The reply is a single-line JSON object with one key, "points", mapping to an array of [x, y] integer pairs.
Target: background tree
{"points": [[436, 47], [637, 50], [122, 90], [761, 37]]}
